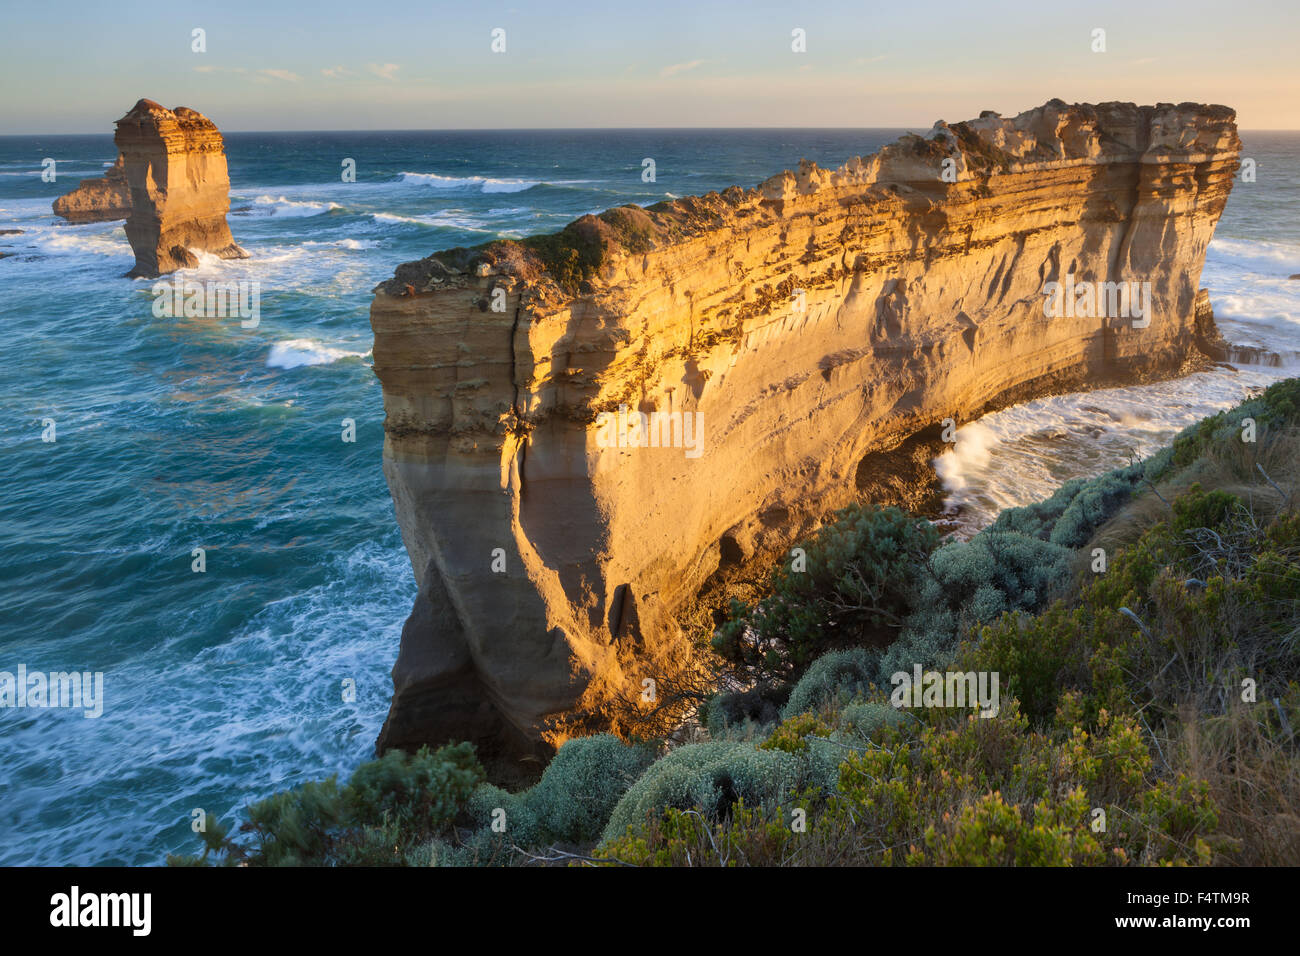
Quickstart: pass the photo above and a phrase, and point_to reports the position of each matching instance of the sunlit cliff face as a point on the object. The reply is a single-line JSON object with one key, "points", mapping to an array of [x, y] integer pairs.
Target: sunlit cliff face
{"points": [[802, 325]]}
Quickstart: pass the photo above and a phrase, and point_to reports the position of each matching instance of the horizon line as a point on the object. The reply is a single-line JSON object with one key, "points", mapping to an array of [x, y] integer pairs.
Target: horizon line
{"points": [[585, 129]]}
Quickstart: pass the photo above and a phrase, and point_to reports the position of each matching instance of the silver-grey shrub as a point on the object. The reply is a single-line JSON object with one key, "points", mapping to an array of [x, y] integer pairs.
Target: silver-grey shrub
{"points": [[582, 785], [709, 777], [834, 678]]}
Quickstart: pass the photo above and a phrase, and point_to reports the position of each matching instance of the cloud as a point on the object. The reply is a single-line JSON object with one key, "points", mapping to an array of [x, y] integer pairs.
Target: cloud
{"points": [[285, 75], [681, 67], [385, 71], [219, 69], [336, 71]]}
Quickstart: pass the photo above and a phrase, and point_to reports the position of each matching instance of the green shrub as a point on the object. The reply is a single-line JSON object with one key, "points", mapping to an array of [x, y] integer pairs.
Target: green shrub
{"points": [[990, 832], [862, 720], [751, 837], [954, 790], [1036, 520], [1078, 508], [734, 711], [837, 677], [388, 808], [1282, 399], [490, 804], [710, 777], [972, 791], [297, 827], [1277, 407], [582, 785], [978, 580], [792, 735], [1199, 509], [569, 804], [855, 590], [422, 792], [1095, 504], [1214, 591], [970, 583], [820, 748], [475, 848]]}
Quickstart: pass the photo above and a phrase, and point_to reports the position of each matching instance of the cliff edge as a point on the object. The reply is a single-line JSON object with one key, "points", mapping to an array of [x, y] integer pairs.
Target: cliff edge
{"points": [[583, 427]]}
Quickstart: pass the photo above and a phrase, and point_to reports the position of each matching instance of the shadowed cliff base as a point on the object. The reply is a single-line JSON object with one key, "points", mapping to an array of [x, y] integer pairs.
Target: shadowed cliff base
{"points": [[808, 323]]}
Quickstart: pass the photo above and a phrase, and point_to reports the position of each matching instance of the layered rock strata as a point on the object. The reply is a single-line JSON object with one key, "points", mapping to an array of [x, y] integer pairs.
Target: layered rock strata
{"points": [[784, 334], [101, 199], [175, 164]]}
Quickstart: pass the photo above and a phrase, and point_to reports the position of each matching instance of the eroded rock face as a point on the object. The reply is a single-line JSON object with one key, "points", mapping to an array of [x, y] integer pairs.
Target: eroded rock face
{"points": [[175, 165], [804, 324], [101, 199]]}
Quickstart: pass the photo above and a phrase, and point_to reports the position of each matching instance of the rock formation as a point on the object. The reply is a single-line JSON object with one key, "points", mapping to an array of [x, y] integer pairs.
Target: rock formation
{"points": [[175, 166], [101, 199], [797, 328]]}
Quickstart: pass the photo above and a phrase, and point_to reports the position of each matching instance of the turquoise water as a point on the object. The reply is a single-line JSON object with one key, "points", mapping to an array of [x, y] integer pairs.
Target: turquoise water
{"points": [[175, 434]]}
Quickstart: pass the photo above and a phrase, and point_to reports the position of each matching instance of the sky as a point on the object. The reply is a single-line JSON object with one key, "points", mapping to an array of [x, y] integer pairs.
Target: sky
{"points": [[75, 67]]}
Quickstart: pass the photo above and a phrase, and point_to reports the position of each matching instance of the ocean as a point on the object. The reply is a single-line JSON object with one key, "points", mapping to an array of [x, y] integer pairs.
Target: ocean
{"points": [[174, 434]]}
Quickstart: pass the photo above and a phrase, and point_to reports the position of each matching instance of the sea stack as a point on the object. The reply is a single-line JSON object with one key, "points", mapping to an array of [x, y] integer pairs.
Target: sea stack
{"points": [[175, 164], [773, 338], [101, 199]]}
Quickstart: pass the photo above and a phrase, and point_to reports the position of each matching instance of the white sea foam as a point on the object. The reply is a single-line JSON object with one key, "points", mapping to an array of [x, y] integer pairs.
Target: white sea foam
{"points": [[1024, 453], [96, 239], [298, 352], [1256, 255], [284, 208], [483, 184], [447, 219], [352, 245], [1256, 303], [970, 455]]}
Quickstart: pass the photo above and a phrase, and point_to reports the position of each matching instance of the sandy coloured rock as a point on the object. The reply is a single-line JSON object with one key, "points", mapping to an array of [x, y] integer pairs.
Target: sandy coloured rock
{"points": [[175, 165], [804, 325], [101, 199]]}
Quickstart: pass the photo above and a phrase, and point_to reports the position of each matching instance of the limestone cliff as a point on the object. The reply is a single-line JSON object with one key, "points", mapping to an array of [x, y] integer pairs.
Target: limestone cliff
{"points": [[175, 165], [101, 199], [798, 327]]}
